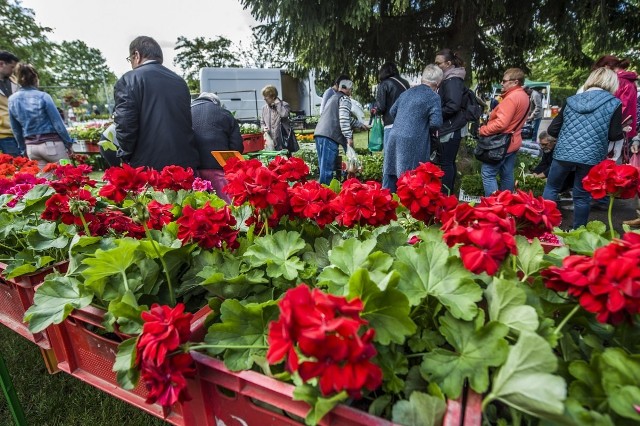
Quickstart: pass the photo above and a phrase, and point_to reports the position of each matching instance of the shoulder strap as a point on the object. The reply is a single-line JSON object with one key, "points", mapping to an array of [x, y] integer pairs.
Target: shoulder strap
{"points": [[401, 83], [523, 117]]}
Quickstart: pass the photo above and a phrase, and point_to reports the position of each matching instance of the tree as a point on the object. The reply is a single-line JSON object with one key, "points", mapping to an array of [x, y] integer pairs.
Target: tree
{"points": [[359, 35], [264, 53], [22, 36], [200, 53], [84, 68]]}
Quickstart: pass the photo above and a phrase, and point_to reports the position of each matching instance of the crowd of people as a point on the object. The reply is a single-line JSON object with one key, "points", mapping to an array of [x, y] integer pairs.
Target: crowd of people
{"points": [[156, 124]]}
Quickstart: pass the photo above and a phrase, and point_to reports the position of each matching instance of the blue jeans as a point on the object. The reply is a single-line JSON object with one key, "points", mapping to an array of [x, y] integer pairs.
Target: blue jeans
{"points": [[536, 126], [489, 173], [581, 198], [448, 162], [327, 150], [10, 146], [390, 182]]}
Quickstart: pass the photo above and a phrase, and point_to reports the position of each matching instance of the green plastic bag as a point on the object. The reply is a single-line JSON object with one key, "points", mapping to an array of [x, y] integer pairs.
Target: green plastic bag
{"points": [[376, 136]]}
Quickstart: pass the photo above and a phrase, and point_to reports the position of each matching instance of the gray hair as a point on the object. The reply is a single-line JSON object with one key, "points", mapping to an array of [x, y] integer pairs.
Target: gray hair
{"points": [[211, 96], [345, 84], [432, 74], [602, 78]]}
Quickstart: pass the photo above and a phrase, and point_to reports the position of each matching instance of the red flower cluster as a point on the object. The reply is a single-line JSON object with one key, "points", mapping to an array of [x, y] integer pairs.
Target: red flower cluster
{"points": [[290, 169], [69, 207], [486, 234], [534, 216], [607, 284], [311, 200], [324, 329], [164, 373], [125, 179], [10, 166], [364, 204], [419, 191], [608, 178], [71, 178], [208, 227], [159, 214], [174, 178], [115, 222]]}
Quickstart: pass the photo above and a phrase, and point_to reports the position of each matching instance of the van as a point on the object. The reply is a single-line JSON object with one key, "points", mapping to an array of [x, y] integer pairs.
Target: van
{"points": [[240, 90]]}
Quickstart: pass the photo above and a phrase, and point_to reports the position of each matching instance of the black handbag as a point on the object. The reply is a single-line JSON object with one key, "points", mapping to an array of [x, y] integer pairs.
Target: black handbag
{"points": [[289, 139], [492, 149]]}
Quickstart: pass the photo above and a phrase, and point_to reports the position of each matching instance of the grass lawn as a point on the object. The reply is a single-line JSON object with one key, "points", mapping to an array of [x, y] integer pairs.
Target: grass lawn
{"points": [[59, 399]]}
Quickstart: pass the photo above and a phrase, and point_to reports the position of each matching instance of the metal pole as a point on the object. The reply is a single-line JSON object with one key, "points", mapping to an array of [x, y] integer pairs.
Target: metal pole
{"points": [[106, 94], [12, 397]]}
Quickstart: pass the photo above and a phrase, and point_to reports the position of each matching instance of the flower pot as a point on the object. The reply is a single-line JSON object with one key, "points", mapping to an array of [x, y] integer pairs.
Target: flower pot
{"points": [[253, 142], [16, 296], [87, 352], [251, 398]]}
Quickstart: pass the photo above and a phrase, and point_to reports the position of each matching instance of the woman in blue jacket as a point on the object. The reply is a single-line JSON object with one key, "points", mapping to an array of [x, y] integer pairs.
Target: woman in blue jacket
{"points": [[36, 122], [584, 127]]}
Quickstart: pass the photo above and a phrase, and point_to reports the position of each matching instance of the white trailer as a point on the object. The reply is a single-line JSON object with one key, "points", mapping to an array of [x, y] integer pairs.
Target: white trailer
{"points": [[240, 90]]}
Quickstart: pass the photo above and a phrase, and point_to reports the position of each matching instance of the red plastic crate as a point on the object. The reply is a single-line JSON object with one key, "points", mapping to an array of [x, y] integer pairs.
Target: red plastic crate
{"points": [[16, 296], [253, 399], [472, 409], [89, 356], [253, 143]]}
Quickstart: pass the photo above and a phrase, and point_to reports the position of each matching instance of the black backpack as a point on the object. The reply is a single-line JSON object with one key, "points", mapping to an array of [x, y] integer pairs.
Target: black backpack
{"points": [[471, 106]]}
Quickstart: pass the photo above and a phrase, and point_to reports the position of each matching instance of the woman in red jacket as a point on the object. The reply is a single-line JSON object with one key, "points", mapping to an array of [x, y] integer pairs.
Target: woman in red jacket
{"points": [[507, 117], [627, 91]]}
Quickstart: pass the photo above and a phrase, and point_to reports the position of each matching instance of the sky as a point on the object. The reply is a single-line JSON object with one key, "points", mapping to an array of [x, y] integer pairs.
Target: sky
{"points": [[111, 25]]}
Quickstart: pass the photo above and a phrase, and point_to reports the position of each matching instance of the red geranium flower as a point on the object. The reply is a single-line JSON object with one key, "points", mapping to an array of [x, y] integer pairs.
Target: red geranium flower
{"points": [[159, 214], [208, 227], [117, 223], [311, 200], [292, 169], [608, 178], [125, 179], [174, 178], [164, 330], [167, 383], [364, 204]]}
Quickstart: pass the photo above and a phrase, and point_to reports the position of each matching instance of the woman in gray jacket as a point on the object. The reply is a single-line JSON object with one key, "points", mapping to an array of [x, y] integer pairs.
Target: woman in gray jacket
{"points": [[275, 117]]}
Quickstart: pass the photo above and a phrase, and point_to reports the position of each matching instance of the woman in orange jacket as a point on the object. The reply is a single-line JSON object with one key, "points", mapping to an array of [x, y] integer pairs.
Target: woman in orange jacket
{"points": [[507, 117]]}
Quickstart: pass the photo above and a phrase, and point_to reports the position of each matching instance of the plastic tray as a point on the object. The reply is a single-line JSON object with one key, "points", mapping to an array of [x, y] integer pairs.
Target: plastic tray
{"points": [[87, 353], [250, 398], [463, 197], [16, 296]]}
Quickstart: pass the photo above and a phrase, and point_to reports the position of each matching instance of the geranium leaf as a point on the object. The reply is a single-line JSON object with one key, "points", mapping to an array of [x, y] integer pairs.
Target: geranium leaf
{"points": [[476, 348], [389, 238], [320, 405], [114, 261], [508, 305], [428, 270], [525, 381], [320, 254], [530, 255], [124, 367], [421, 410], [392, 363], [278, 252], [54, 300], [351, 254], [623, 401], [387, 311], [585, 240], [241, 326]]}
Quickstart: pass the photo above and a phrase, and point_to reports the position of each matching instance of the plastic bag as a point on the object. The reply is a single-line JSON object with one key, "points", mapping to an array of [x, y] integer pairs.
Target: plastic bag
{"points": [[269, 145], [376, 136], [353, 163], [635, 160]]}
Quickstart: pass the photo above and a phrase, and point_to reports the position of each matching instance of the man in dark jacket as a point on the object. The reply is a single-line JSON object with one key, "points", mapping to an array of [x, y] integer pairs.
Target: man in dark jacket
{"points": [[390, 88], [152, 112], [215, 129]]}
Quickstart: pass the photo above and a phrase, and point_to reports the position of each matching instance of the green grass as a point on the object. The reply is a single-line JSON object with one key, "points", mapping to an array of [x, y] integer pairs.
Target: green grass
{"points": [[59, 399]]}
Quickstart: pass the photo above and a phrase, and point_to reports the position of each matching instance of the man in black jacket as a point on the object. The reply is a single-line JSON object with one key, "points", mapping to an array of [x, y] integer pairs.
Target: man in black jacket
{"points": [[152, 112]]}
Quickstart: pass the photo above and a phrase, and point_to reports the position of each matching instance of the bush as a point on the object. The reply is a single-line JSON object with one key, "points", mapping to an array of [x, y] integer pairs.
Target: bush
{"points": [[472, 185], [310, 156], [560, 94], [371, 167]]}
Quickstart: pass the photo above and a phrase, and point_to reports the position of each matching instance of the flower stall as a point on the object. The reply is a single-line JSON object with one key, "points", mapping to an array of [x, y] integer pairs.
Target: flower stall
{"points": [[342, 304]]}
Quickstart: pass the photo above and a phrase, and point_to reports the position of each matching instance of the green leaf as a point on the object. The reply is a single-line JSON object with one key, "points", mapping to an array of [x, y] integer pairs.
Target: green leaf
{"points": [[585, 240], [389, 238], [320, 405], [278, 252], [126, 373], [530, 255], [392, 363], [320, 254], [54, 300], [244, 326], [476, 348], [421, 410], [624, 400], [115, 261], [345, 258], [508, 305], [525, 381], [387, 311], [587, 388], [429, 271]]}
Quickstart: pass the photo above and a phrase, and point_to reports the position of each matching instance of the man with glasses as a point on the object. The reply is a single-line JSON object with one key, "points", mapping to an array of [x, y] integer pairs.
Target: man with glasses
{"points": [[153, 112], [8, 86], [507, 117]]}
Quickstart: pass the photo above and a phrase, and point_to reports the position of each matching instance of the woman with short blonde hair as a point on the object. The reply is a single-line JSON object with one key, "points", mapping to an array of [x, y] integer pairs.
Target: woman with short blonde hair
{"points": [[604, 79]]}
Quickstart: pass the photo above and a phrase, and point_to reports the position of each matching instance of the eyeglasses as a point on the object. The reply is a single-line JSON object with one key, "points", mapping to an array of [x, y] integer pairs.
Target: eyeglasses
{"points": [[129, 58], [439, 63], [509, 79]]}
